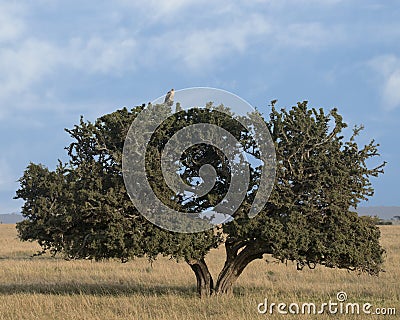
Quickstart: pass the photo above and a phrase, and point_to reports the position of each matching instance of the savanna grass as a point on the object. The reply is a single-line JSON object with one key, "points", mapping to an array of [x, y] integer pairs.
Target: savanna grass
{"points": [[52, 288]]}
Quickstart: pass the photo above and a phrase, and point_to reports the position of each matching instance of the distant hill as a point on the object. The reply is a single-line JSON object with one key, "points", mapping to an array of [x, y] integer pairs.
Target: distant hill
{"points": [[11, 218], [385, 213]]}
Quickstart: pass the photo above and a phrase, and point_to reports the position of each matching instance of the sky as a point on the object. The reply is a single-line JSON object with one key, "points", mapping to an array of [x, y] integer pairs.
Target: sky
{"points": [[63, 59]]}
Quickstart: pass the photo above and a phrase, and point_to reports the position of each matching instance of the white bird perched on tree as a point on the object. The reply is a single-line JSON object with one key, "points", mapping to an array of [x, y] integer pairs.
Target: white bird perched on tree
{"points": [[169, 98]]}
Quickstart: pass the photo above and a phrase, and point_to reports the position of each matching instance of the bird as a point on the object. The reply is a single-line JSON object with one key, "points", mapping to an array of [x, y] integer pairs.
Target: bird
{"points": [[273, 102], [169, 98]]}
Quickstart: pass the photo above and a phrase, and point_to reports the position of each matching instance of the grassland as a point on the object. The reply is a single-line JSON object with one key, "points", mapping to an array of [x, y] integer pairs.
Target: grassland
{"points": [[48, 288]]}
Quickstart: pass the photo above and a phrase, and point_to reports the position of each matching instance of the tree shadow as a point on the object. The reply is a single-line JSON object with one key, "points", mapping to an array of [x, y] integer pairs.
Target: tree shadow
{"points": [[67, 288], [114, 289]]}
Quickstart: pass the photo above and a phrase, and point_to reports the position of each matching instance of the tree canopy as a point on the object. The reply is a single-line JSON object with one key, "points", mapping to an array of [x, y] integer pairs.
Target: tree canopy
{"points": [[82, 209]]}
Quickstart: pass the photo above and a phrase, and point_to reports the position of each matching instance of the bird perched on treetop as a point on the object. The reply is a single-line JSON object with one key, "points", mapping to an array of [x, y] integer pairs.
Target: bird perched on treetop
{"points": [[169, 98]]}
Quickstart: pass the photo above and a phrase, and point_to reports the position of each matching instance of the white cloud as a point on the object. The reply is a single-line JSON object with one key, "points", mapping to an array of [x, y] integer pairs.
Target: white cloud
{"points": [[11, 23], [187, 34], [391, 89], [308, 35], [33, 59], [97, 55], [388, 67], [158, 11], [202, 48], [21, 67], [30, 62], [231, 28], [161, 8]]}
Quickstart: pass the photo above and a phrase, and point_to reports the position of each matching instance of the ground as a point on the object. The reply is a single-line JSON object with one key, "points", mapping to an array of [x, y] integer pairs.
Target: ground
{"points": [[47, 288]]}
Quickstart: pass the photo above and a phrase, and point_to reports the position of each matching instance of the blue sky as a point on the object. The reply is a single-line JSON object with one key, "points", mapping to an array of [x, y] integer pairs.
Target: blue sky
{"points": [[62, 59]]}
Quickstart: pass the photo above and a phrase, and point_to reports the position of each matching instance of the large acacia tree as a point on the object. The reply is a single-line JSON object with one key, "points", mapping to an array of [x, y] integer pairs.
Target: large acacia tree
{"points": [[82, 211]]}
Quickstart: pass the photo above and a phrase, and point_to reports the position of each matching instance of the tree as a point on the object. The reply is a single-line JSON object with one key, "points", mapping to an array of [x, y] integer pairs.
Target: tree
{"points": [[82, 209]]}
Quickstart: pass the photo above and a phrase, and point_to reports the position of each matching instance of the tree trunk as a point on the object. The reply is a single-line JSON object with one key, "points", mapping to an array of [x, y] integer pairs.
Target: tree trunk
{"points": [[234, 265], [204, 279]]}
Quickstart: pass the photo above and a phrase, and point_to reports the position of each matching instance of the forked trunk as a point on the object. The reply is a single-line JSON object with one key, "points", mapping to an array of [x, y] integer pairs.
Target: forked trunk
{"points": [[234, 265]]}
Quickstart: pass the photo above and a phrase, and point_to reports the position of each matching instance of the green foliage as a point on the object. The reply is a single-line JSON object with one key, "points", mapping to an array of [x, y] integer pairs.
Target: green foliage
{"points": [[320, 176], [82, 209]]}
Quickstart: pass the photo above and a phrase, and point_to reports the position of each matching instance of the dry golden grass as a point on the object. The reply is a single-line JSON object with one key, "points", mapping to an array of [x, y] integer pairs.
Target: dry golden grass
{"points": [[47, 288]]}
